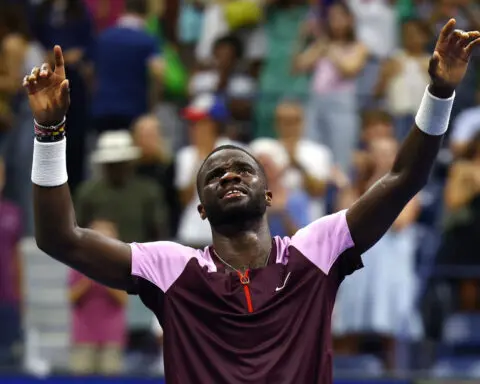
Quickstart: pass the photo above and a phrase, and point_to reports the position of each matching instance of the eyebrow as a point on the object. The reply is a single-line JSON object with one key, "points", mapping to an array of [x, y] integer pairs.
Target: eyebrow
{"points": [[224, 165]]}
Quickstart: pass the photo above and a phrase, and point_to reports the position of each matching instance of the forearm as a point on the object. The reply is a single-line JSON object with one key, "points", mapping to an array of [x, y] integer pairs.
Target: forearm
{"points": [[55, 226], [417, 154]]}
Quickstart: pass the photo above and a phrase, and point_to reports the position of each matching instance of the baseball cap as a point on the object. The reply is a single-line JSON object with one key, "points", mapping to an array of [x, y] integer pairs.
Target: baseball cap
{"points": [[207, 106]]}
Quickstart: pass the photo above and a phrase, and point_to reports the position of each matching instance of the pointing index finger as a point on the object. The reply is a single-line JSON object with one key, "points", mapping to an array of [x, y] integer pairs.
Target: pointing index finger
{"points": [[59, 63]]}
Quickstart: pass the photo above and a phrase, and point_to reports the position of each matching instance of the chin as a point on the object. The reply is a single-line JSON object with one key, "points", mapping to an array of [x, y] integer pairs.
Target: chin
{"points": [[235, 213]]}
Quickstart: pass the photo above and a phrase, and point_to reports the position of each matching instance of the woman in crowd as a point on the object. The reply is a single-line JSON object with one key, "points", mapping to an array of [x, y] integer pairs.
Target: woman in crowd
{"points": [[336, 58], [404, 76], [380, 301], [98, 320], [461, 239]]}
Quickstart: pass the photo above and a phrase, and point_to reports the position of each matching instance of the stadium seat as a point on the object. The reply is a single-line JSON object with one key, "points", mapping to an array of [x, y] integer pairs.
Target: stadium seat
{"points": [[462, 330], [457, 367], [365, 365]]}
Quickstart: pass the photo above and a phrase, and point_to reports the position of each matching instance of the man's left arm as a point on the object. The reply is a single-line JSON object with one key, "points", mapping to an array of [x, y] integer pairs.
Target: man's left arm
{"points": [[373, 213]]}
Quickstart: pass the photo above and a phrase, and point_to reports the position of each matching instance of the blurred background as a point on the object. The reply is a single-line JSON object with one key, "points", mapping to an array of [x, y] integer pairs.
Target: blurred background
{"points": [[322, 92]]}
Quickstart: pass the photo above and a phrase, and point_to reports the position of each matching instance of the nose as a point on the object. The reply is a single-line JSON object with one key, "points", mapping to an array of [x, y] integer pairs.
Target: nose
{"points": [[229, 177]]}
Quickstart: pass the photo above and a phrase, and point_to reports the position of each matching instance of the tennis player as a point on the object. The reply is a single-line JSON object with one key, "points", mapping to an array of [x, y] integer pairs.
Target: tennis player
{"points": [[250, 308]]}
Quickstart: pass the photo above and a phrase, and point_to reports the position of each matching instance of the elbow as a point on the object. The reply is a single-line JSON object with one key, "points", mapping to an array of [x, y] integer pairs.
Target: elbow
{"points": [[56, 245]]}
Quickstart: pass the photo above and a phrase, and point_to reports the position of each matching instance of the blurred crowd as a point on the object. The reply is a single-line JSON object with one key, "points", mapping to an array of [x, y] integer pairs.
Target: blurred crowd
{"points": [[321, 91]]}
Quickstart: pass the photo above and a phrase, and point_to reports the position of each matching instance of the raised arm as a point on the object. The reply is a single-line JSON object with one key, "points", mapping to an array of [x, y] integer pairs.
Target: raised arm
{"points": [[57, 234], [373, 214]]}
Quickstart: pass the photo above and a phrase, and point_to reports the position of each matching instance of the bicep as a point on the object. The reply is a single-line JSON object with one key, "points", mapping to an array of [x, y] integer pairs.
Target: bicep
{"points": [[100, 258]]}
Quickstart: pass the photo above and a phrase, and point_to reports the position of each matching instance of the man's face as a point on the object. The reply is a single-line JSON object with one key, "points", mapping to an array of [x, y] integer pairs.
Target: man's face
{"points": [[232, 189]]}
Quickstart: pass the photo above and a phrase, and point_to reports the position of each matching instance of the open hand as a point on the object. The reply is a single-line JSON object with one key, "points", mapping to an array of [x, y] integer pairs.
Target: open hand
{"points": [[449, 62], [48, 92]]}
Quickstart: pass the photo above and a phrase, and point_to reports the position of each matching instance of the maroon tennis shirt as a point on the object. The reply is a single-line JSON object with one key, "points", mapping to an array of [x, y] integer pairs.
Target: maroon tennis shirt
{"points": [[269, 326]]}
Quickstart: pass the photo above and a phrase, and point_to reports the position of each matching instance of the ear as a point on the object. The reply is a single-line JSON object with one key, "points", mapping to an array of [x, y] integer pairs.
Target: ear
{"points": [[268, 198], [201, 211]]}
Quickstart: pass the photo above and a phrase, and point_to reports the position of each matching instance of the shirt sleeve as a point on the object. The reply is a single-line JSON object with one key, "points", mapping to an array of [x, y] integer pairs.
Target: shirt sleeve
{"points": [[324, 240], [160, 263]]}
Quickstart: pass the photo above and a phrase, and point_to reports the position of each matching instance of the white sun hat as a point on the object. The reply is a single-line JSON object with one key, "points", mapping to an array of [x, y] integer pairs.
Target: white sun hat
{"points": [[272, 148], [115, 147]]}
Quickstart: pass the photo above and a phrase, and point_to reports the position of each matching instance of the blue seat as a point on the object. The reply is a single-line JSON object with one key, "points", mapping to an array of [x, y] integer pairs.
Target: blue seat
{"points": [[462, 330], [365, 365], [457, 367]]}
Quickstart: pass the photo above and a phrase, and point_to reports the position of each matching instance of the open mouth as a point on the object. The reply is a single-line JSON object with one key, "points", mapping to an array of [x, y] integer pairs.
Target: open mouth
{"points": [[234, 193]]}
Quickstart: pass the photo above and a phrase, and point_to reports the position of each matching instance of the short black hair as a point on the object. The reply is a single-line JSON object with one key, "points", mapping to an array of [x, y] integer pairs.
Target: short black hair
{"points": [[232, 41], [139, 7], [231, 147]]}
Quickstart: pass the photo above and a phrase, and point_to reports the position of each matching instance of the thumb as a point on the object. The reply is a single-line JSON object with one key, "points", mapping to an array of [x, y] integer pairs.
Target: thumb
{"points": [[434, 62]]}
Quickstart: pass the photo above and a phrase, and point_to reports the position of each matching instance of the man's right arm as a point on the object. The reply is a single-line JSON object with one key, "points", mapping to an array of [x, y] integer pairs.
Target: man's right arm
{"points": [[94, 255]]}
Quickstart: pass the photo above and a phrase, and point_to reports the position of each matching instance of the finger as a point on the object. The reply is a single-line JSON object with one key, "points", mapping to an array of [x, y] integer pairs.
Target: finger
{"points": [[30, 84], [433, 65], [470, 47], [33, 77], [45, 71], [59, 62], [447, 29]]}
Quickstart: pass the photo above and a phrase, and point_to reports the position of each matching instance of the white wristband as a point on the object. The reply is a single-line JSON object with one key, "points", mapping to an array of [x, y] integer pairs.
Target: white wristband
{"points": [[433, 115], [49, 168]]}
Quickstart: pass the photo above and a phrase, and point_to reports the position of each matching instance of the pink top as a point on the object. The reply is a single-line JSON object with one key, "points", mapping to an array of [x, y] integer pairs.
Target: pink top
{"points": [[97, 318], [105, 12], [327, 78], [322, 241]]}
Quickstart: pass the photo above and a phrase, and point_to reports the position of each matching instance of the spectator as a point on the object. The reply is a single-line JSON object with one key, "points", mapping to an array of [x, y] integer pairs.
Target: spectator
{"points": [[403, 78], [381, 300], [156, 162], [289, 210], [465, 127], [105, 12], [226, 79], [207, 116], [376, 26], [68, 24], [126, 57], [130, 202], [10, 280], [462, 225], [376, 124], [310, 162], [337, 59], [21, 53], [283, 22], [98, 320]]}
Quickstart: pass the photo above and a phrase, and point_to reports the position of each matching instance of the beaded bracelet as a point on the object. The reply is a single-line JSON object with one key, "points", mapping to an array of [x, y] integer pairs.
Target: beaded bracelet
{"points": [[50, 134]]}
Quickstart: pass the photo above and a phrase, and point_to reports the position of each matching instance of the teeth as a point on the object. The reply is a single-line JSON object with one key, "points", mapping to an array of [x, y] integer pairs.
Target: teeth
{"points": [[233, 191]]}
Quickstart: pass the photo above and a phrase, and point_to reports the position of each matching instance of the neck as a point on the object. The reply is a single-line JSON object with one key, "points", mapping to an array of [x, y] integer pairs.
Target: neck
{"points": [[243, 248]]}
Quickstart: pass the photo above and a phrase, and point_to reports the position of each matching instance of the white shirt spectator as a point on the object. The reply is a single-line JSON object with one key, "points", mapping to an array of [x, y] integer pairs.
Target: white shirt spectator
{"points": [[317, 160], [239, 86], [465, 126], [376, 25]]}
